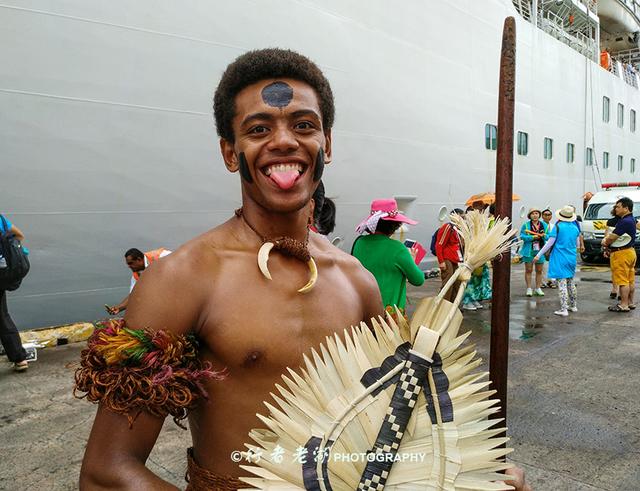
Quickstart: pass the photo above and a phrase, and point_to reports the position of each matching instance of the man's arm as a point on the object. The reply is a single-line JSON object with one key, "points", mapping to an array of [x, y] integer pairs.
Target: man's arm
{"points": [[166, 297], [621, 228], [115, 455], [116, 309]]}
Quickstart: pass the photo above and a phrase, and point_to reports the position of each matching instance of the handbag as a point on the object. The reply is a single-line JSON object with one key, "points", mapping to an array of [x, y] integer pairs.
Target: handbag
{"points": [[547, 255], [16, 263]]}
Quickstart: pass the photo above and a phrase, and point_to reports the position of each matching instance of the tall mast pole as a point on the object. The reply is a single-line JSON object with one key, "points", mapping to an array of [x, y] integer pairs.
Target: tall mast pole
{"points": [[499, 355]]}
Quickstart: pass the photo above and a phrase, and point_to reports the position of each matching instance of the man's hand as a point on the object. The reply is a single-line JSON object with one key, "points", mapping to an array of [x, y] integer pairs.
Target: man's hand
{"points": [[536, 258], [582, 249], [518, 479], [112, 310]]}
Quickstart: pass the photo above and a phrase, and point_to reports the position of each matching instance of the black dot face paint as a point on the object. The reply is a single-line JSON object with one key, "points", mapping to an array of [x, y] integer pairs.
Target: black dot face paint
{"points": [[244, 168], [319, 168], [277, 94]]}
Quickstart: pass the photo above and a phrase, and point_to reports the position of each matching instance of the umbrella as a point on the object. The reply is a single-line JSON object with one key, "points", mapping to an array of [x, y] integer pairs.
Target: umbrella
{"points": [[486, 198]]}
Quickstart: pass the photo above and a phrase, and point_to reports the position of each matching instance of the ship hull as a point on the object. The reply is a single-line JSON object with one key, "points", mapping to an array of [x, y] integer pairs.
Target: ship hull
{"points": [[108, 140]]}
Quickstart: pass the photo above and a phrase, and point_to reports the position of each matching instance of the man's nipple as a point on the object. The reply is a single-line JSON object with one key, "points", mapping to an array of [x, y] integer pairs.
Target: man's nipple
{"points": [[252, 358]]}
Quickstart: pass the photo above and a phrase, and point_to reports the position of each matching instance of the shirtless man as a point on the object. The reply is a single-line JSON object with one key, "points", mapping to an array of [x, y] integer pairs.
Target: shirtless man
{"points": [[273, 108], [274, 112]]}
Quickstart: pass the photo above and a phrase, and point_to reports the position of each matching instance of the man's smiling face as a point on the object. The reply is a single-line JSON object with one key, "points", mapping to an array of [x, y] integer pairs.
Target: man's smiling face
{"points": [[278, 137]]}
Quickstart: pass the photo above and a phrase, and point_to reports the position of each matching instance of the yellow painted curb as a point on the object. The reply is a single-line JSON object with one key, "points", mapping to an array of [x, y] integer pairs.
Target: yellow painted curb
{"points": [[49, 336]]}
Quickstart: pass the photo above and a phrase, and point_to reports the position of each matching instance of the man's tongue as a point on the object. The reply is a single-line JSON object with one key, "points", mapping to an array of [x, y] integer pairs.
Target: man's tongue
{"points": [[284, 179]]}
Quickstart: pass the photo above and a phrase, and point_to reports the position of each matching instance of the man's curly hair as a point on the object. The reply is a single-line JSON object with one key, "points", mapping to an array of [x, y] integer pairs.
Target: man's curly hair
{"points": [[262, 64]]}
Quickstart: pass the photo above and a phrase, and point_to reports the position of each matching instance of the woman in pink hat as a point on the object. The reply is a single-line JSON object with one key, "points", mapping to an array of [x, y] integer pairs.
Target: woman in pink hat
{"points": [[387, 259]]}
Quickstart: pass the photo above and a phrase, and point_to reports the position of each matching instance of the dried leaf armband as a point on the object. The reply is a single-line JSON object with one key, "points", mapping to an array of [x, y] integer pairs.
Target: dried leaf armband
{"points": [[135, 370]]}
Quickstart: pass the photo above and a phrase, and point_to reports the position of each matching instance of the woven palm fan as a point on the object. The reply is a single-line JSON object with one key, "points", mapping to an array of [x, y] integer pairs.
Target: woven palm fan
{"points": [[399, 406]]}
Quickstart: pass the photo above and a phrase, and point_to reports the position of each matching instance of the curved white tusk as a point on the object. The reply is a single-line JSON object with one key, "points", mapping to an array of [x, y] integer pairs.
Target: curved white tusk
{"points": [[314, 276], [263, 258]]}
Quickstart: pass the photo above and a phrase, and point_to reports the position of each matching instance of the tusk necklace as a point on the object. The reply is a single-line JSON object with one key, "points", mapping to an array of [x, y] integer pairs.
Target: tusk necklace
{"points": [[287, 246]]}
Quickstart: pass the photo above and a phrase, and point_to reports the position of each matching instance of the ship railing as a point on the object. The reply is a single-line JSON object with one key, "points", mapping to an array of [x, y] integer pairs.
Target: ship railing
{"points": [[625, 69], [628, 56], [524, 8], [554, 24], [591, 5], [628, 61]]}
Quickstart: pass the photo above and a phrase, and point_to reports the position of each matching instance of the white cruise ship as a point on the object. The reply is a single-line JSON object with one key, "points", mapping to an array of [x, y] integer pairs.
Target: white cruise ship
{"points": [[108, 140]]}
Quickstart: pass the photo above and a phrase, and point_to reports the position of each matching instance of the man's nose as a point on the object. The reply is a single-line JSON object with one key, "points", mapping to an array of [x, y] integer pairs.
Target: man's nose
{"points": [[283, 139]]}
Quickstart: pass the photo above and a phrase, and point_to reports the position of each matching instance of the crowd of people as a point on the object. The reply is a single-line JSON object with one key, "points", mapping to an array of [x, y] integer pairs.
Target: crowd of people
{"points": [[541, 240]]}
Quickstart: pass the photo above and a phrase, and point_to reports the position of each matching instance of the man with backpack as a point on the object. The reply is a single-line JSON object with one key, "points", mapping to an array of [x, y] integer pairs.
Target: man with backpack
{"points": [[448, 249], [8, 332]]}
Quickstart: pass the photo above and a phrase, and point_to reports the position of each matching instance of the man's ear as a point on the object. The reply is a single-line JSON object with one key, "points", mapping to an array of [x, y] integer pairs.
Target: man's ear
{"points": [[327, 147], [229, 155]]}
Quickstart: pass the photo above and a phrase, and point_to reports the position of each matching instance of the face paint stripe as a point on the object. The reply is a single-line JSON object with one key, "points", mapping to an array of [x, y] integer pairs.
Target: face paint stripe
{"points": [[319, 168], [277, 94], [244, 168]]}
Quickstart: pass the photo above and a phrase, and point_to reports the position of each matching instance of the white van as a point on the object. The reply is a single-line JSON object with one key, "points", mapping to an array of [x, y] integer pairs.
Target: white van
{"points": [[594, 223]]}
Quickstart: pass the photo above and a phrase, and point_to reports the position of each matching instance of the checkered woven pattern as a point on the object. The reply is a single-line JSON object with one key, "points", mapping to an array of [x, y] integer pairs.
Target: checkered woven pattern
{"points": [[405, 396]]}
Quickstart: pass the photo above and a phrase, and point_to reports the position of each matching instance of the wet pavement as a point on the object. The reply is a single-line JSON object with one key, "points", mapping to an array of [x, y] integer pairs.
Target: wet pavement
{"points": [[573, 408]]}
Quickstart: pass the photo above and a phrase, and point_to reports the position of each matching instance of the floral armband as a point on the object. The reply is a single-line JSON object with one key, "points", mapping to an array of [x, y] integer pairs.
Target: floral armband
{"points": [[135, 370]]}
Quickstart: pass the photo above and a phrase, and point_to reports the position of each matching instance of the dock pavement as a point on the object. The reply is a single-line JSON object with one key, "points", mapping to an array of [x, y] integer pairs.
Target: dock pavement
{"points": [[573, 402]]}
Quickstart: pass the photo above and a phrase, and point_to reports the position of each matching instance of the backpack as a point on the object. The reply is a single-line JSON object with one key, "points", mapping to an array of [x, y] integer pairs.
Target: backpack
{"points": [[434, 239], [17, 263]]}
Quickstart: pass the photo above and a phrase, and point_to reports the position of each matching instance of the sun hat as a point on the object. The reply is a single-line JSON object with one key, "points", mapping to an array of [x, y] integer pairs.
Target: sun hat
{"points": [[531, 210], [382, 209], [621, 241], [566, 214]]}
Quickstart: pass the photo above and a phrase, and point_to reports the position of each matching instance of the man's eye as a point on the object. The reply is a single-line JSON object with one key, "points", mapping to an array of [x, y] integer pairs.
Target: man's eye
{"points": [[258, 129], [304, 125]]}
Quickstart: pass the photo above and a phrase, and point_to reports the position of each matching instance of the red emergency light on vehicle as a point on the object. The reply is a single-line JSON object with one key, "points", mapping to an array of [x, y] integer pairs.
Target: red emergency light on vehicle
{"points": [[610, 185]]}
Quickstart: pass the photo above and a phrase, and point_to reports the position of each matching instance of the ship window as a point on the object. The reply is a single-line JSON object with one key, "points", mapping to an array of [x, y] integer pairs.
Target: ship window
{"points": [[548, 148], [570, 152], [605, 160], [490, 137], [589, 157], [632, 121], [523, 143], [632, 166], [620, 115], [605, 109], [620, 163]]}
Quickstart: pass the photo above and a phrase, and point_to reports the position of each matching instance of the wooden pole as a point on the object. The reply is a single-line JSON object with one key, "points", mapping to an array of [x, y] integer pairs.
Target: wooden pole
{"points": [[499, 354]]}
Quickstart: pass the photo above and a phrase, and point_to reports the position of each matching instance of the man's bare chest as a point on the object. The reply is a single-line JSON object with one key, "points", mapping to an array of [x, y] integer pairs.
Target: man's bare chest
{"points": [[256, 322]]}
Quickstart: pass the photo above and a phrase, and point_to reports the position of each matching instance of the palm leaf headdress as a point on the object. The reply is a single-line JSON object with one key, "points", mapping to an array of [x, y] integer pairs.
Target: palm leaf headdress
{"points": [[396, 406]]}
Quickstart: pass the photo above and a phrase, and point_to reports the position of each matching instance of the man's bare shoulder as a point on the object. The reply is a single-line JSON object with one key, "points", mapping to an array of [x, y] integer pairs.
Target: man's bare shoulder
{"points": [[203, 251], [360, 277], [177, 286]]}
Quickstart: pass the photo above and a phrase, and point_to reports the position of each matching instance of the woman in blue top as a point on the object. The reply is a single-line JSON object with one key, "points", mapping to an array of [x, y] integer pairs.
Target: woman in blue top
{"points": [[8, 332], [533, 234], [565, 240]]}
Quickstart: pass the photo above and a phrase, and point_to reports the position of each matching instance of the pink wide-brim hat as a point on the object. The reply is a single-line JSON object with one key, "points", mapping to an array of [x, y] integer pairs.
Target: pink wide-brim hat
{"points": [[384, 209]]}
